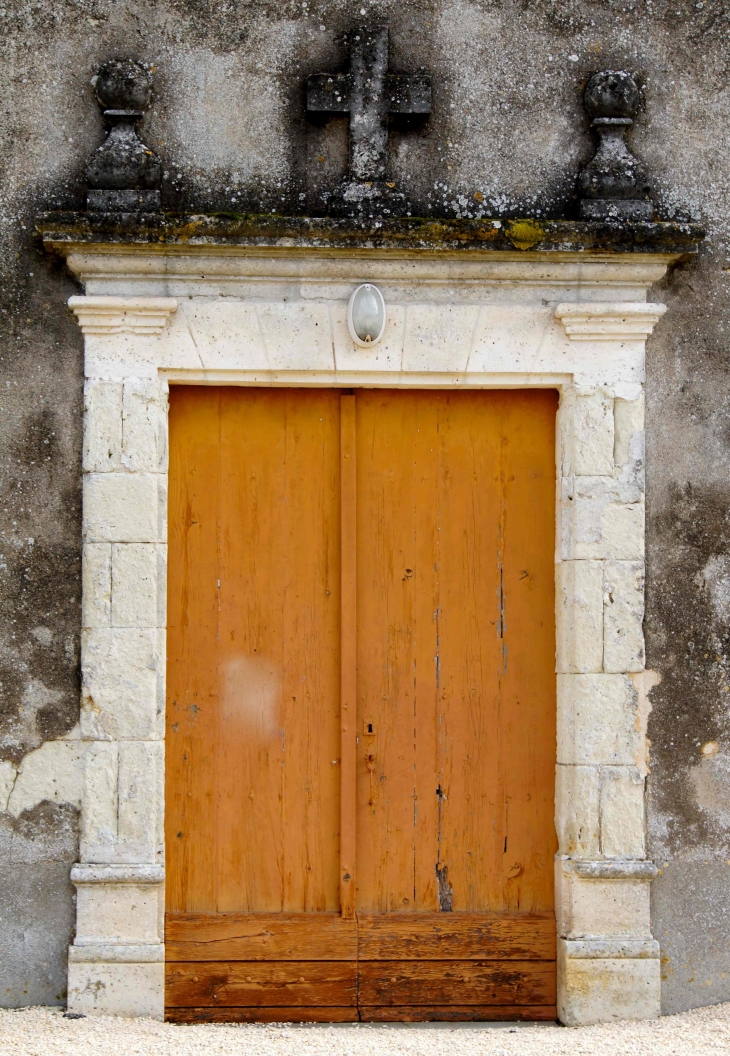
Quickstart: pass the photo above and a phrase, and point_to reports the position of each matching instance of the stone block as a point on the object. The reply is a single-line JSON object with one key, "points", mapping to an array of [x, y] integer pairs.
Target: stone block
{"points": [[513, 338], [577, 820], [161, 674], [117, 913], [622, 812], [117, 989], [593, 990], [96, 585], [623, 616], [119, 684], [141, 799], [439, 337], [386, 355], [296, 336], [161, 586], [227, 332], [119, 356], [144, 425], [593, 435], [605, 909], [121, 507], [100, 814], [628, 448], [564, 445], [601, 519], [162, 489], [597, 720], [579, 616], [134, 585], [102, 449]]}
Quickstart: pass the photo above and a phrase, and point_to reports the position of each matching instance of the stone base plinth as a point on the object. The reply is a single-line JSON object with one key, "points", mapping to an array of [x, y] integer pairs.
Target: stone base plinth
{"points": [[116, 966], [117, 987], [593, 989]]}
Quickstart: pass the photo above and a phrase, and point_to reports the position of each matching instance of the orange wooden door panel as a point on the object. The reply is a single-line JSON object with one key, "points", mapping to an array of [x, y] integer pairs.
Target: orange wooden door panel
{"points": [[361, 705], [456, 687], [252, 821]]}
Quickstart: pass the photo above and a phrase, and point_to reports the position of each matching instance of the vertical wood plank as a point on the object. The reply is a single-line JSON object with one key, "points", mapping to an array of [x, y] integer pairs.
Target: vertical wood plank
{"points": [[397, 646], [528, 690], [252, 812], [455, 650], [192, 631], [348, 670]]}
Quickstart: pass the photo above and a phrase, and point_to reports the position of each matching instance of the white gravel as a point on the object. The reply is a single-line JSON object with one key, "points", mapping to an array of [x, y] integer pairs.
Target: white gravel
{"points": [[44, 1032]]}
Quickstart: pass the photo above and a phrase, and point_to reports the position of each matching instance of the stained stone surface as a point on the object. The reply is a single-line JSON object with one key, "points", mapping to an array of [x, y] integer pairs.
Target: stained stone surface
{"points": [[506, 137]]}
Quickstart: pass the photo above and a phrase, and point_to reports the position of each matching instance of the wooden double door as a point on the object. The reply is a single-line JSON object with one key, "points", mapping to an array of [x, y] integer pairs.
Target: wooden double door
{"points": [[360, 705]]}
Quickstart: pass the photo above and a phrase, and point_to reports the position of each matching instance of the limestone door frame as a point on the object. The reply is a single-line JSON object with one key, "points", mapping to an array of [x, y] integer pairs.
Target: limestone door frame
{"points": [[250, 315]]}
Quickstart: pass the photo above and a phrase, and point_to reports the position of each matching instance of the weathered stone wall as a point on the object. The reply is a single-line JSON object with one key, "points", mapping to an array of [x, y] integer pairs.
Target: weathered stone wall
{"points": [[506, 137]]}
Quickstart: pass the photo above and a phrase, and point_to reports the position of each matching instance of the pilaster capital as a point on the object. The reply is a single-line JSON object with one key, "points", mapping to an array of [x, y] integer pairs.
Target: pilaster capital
{"points": [[122, 315], [611, 321]]}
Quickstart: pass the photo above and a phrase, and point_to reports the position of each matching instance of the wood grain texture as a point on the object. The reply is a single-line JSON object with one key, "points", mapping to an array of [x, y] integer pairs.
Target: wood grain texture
{"points": [[411, 583], [252, 819], [264, 937], [303, 1014], [348, 655], [261, 984], [459, 1014], [446, 936], [396, 983], [456, 651]]}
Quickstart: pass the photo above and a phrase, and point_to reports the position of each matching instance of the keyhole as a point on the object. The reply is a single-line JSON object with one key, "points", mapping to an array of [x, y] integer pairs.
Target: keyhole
{"points": [[370, 727]]}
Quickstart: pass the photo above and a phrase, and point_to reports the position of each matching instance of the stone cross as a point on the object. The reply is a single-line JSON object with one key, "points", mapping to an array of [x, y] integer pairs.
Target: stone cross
{"points": [[369, 94]]}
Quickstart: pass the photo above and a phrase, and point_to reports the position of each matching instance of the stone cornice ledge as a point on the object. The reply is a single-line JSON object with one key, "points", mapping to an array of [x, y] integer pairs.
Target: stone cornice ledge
{"points": [[622, 320], [62, 229], [84, 873], [122, 315]]}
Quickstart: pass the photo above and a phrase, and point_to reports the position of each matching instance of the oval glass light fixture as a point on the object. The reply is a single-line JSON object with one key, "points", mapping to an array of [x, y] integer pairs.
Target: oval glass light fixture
{"points": [[366, 315]]}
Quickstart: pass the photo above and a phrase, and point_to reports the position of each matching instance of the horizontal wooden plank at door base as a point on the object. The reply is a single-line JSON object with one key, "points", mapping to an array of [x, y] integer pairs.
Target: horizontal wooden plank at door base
{"points": [[262, 1015], [460, 1014], [261, 984], [437, 983], [457, 936], [259, 937], [414, 1014]]}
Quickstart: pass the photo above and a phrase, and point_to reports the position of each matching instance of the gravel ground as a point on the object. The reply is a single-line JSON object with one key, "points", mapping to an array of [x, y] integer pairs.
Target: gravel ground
{"points": [[45, 1032]]}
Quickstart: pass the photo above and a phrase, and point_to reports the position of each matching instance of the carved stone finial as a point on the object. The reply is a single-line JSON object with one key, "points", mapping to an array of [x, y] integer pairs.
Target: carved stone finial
{"points": [[124, 174], [613, 184]]}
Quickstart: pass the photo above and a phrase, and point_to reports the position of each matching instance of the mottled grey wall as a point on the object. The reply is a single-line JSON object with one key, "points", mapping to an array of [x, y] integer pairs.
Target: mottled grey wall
{"points": [[506, 136]]}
